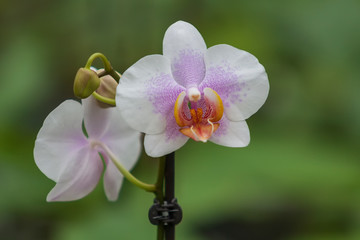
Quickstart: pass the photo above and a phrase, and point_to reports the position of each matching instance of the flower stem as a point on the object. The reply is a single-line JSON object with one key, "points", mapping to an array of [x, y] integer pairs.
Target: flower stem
{"points": [[131, 178], [103, 99], [105, 61], [108, 68], [160, 180]]}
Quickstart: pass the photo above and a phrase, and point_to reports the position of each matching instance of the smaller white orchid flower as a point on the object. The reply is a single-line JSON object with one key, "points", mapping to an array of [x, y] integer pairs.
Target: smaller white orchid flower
{"points": [[65, 155], [192, 92]]}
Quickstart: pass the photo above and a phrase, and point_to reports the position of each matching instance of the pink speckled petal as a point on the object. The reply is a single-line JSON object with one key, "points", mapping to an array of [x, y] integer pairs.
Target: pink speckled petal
{"points": [[171, 139], [59, 138], [146, 93], [185, 47], [80, 176], [239, 79], [231, 134]]}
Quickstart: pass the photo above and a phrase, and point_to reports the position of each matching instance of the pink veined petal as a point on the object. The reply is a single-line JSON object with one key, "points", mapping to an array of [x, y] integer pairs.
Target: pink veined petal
{"points": [[168, 141], [185, 47], [146, 93], [113, 180], [96, 118], [231, 134], [79, 177], [59, 138], [160, 144], [239, 79]]}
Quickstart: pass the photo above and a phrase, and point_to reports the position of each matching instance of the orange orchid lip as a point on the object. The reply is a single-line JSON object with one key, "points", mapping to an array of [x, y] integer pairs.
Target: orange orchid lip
{"points": [[198, 120]]}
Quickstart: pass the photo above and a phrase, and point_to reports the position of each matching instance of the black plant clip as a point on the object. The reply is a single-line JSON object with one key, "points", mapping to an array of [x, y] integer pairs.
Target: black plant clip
{"points": [[166, 213]]}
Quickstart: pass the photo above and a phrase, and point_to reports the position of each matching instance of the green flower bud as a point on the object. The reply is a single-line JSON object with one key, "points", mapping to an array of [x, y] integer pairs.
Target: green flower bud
{"points": [[86, 82]]}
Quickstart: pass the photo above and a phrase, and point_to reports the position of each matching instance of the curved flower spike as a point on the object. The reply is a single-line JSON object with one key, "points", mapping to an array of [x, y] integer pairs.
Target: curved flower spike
{"points": [[65, 155], [192, 92]]}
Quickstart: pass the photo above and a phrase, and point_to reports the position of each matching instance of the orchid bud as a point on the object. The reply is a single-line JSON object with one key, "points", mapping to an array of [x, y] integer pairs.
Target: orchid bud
{"points": [[107, 87], [86, 82]]}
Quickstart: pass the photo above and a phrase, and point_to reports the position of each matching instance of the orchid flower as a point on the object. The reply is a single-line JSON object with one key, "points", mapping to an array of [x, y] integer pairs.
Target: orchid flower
{"points": [[70, 158], [192, 92]]}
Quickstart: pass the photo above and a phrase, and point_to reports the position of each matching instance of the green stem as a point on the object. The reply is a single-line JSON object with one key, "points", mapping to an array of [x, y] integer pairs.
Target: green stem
{"points": [[102, 74], [115, 75], [157, 188], [105, 61], [160, 180], [103, 99], [108, 68], [123, 170]]}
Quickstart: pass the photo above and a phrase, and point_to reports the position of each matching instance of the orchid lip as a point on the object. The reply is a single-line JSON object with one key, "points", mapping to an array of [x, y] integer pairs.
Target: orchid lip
{"points": [[198, 119]]}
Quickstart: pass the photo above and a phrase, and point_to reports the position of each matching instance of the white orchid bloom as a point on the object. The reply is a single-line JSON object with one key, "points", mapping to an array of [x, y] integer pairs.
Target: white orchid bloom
{"points": [[192, 92], [65, 155]]}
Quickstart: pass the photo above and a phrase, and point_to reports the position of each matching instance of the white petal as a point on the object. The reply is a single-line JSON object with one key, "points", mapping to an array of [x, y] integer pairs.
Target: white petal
{"points": [[59, 138], [122, 140], [160, 144], [231, 134], [185, 47], [146, 93], [239, 79], [96, 118], [125, 143], [182, 35], [113, 180], [79, 177]]}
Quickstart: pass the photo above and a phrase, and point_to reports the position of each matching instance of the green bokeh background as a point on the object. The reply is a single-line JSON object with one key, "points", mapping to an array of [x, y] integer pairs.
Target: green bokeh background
{"points": [[299, 179]]}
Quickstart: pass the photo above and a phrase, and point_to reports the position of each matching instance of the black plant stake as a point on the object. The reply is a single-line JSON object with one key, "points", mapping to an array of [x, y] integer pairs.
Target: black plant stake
{"points": [[166, 213]]}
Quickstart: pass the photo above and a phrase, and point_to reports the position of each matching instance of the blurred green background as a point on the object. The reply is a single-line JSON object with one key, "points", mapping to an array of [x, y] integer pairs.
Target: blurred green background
{"points": [[300, 177]]}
